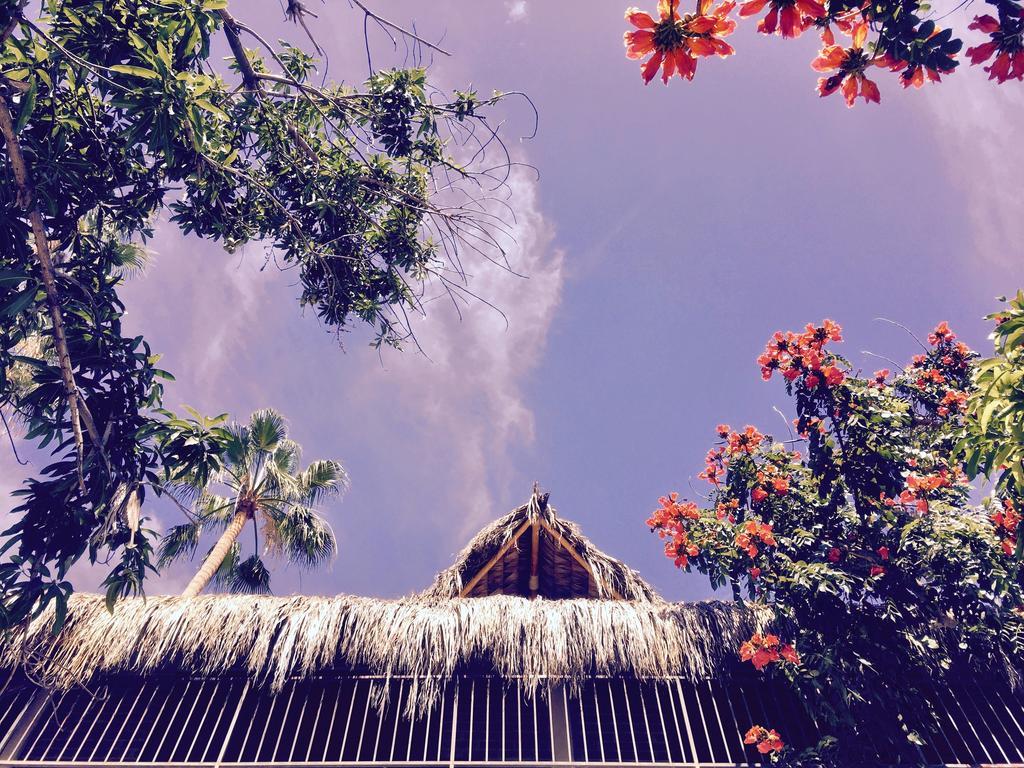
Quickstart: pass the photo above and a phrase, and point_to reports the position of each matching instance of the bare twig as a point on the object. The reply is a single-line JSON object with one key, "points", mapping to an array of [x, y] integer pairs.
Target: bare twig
{"points": [[401, 30], [901, 325]]}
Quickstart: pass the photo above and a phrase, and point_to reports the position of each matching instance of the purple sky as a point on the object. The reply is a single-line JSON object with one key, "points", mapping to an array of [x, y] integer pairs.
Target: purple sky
{"points": [[670, 232]]}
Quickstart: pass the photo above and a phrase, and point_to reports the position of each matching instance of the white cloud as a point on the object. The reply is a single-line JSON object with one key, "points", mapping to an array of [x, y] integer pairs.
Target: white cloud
{"points": [[977, 129], [472, 380], [517, 10]]}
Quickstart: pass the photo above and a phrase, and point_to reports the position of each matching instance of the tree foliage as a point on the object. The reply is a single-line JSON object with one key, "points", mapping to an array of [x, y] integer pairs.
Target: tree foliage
{"points": [[895, 35], [860, 533], [259, 481], [114, 114], [994, 439]]}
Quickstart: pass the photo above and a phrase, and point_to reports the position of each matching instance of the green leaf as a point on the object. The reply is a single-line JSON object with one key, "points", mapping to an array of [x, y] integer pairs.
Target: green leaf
{"points": [[27, 105], [127, 69], [19, 303]]}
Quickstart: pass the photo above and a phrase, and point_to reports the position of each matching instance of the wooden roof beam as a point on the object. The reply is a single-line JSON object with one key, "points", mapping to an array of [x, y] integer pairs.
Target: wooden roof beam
{"points": [[494, 560]]}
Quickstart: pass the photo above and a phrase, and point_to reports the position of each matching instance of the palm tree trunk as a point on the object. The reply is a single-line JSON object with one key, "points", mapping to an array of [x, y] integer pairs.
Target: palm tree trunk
{"points": [[218, 553]]}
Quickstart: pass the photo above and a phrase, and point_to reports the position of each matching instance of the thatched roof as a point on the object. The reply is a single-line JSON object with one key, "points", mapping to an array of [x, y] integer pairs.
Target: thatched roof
{"points": [[488, 613], [499, 558], [270, 639]]}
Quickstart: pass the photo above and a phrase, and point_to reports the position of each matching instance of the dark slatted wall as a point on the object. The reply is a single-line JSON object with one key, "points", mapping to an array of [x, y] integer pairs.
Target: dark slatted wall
{"points": [[477, 721]]}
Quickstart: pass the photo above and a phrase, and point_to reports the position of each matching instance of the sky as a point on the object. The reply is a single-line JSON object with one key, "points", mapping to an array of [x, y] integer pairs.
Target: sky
{"points": [[661, 234]]}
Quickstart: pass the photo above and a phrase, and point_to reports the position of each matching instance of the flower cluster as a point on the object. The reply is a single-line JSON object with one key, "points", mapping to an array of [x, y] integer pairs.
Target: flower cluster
{"points": [[669, 521], [770, 480], [752, 532], [787, 17], [848, 66], [1004, 43], [803, 354], [919, 52], [1007, 521], [766, 741], [919, 488], [675, 42], [942, 375], [762, 650]]}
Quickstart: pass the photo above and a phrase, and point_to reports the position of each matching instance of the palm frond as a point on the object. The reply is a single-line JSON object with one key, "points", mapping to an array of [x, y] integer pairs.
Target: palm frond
{"points": [[226, 572], [306, 537], [287, 456], [179, 542], [266, 430], [237, 448], [251, 577], [216, 511], [321, 479]]}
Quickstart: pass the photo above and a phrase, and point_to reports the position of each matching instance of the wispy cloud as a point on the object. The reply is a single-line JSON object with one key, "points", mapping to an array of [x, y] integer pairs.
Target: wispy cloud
{"points": [[976, 126], [470, 378], [517, 10]]}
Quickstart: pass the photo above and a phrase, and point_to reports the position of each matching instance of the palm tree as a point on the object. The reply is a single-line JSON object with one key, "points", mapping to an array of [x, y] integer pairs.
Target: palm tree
{"points": [[261, 483]]}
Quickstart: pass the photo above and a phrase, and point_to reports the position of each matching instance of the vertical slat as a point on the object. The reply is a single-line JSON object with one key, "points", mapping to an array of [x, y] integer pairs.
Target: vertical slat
{"points": [[232, 724], [615, 722], [198, 728], [96, 720], [440, 719], [675, 720], [135, 730], [398, 722], [1009, 712], [174, 715], [257, 757], [348, 720], [455, 724], [686, 720], [28, 718], [519, 719], [971, 758], [216, 723], [281, 718], [472, 708], [629, 717], [181, 729], [583, 726], [600, 730], [160, 714], [298, 723], [380, 726], [661, 717], [504, 736], [738, 727], [123, 720], [721, 726], [316, 719], [487, 721], [536, 738], [70, 740], [647, 723], [983, 721], [704, 725]]}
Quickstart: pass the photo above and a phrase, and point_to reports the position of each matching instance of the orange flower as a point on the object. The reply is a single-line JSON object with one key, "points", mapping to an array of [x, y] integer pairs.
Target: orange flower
{"points": [[766, 741], [1009, 63], [674, 42], [789, 17], [849, 65]]}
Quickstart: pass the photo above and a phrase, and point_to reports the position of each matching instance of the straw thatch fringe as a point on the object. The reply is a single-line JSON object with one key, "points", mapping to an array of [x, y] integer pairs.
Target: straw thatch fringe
{"points": [[610, 575], [271, 639]]}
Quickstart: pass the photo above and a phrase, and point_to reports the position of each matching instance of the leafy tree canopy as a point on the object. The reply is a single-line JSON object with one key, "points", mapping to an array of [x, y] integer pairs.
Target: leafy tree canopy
{"points": [[858, 529], [113, 114]]}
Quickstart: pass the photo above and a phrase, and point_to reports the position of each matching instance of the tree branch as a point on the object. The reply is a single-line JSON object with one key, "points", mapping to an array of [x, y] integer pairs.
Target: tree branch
{"points": [[26, 200]]}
